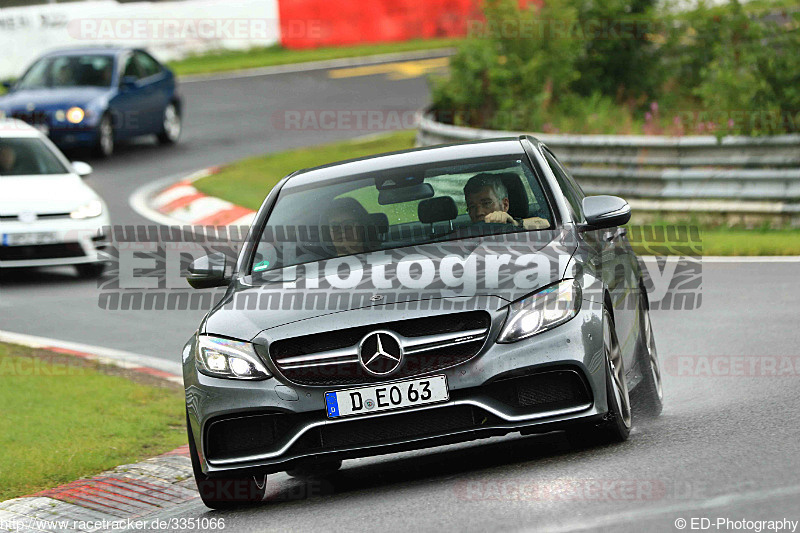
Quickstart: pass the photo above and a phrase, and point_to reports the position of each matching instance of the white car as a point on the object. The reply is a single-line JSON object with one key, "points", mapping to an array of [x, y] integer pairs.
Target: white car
{"points": [[48, 215]]}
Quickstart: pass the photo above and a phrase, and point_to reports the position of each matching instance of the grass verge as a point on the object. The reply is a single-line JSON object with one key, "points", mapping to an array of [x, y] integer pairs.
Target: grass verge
{"points": [[64, 418], [276, 55], [247, 183]]}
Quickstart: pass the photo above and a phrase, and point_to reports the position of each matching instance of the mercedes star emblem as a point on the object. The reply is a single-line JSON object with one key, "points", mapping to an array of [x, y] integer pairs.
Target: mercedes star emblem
{"points": [[380, 353]]}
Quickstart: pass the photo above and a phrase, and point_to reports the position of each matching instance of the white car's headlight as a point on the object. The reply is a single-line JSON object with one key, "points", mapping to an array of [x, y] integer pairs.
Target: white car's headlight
{"points": [[224, 358], [542, 310], [88, 210]]}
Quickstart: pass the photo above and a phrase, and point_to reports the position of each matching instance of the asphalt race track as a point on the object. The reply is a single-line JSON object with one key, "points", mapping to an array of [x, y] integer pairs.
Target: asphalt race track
{"points": [[726, 446]]}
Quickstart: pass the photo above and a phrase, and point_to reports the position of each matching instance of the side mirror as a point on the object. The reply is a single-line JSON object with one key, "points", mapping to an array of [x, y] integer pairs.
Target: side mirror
{"points": [[208, 271], [82, 169], [128, 82], [605, 212]]}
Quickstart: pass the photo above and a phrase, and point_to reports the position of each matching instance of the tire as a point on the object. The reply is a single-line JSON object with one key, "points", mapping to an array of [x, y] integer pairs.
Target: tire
{"points": [[105, 137], [171, 125], [317, 470], [616, 423], [225, 492], [90, 270], [648, 396]]}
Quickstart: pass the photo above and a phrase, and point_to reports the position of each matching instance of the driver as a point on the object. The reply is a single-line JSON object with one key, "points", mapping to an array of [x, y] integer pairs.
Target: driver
{"points": [[347, 223], [487, 201], [7, 159]]}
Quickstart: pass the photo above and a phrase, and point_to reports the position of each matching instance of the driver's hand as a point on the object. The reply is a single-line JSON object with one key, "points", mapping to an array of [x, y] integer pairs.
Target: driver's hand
{"points": [[499, 217], [535, 223]]}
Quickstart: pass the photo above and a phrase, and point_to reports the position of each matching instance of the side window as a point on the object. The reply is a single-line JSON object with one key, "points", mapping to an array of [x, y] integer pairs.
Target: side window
{"points": [[147, 65], [131, 68], [572, 192]]}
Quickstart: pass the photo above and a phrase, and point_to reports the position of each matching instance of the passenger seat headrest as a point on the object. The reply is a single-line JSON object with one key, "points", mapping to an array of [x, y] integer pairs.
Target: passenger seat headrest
{"points": [[438, 209]]}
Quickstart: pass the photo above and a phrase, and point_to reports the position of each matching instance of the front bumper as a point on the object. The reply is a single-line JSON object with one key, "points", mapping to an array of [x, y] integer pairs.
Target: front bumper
{"points": [[73, 137], [477, 408], [76, 242]]}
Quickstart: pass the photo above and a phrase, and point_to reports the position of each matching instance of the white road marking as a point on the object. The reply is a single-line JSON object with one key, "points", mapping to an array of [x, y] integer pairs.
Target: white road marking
{"points": [[723, 500], [123, 358], [734, 258]]}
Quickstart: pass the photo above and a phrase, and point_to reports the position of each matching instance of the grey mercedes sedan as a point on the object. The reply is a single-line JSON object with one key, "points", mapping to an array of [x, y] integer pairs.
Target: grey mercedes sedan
{"points": [[416, 299]]}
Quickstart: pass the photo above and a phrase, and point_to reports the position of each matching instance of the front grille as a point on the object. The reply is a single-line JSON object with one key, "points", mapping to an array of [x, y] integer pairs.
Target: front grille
{"points": [[430, 344], [41, 251], [34, 118], [393, 428], [545, 391]]}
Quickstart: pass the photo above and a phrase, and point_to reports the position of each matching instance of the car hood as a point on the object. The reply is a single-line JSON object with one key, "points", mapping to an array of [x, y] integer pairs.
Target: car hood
{"points": [[56, 193], [454, 274], [58, 97]]}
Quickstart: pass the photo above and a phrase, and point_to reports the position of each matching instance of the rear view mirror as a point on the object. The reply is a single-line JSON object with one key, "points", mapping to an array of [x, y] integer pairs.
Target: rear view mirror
{"points": [[208, 271], [405, 194], [82, 169], [605, 212]]}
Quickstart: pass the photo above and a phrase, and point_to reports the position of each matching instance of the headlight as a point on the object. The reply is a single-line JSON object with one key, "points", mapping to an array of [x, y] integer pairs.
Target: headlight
{"points": [[90, 210], [75, 115], [225, 358], [542, 310]]}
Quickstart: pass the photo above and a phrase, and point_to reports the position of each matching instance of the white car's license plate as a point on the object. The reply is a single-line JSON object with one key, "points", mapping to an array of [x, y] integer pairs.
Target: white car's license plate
{"points": [[385, 397], [27, 239]]}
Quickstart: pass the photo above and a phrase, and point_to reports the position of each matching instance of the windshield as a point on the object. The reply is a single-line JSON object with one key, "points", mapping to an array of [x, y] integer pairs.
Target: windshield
{"points": [[406, 206], [69, 71], [28, 156]]}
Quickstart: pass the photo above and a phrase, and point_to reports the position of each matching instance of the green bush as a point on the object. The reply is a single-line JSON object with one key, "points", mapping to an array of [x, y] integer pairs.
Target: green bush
{"points": [[587, 66]]}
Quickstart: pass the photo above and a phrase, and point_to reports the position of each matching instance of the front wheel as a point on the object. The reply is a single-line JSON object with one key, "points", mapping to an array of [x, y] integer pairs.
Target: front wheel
{"points": [[105, 137], [648, 397], [616, 423], [225, 492], [171, 125]]}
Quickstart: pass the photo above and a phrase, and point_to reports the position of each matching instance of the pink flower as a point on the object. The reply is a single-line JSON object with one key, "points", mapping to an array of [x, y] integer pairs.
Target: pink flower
{"points": [[730, 123], [654, 107], [648, 117]]}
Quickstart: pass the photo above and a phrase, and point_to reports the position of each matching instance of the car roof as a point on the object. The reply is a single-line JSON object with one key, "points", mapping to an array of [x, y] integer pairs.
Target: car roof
{"points": [[510, 146], [11, 127]]}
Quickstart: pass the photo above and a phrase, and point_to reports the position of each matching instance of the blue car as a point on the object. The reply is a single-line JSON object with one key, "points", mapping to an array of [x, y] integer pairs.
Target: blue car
{"points": [[96, 97]]}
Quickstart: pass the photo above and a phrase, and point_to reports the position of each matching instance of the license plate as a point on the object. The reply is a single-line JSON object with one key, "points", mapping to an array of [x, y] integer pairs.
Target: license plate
{"points": [[386, 397], [27, 239]]}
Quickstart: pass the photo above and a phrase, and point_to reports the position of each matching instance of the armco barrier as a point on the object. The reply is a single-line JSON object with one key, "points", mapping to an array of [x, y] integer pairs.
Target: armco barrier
{"points": [[739, 176]]}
